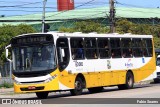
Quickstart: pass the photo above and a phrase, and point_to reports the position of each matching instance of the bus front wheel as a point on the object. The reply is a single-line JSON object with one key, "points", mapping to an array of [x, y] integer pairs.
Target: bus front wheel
{"points": [[78, 87], [42, 95], [129, 82]]}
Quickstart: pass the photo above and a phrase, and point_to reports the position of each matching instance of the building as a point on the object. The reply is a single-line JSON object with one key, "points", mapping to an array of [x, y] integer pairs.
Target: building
{"points": [[100, 14]]}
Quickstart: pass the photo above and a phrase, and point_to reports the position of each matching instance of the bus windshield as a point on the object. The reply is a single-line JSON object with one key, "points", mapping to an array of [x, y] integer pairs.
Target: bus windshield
{"points": [[34, 58], [158, 61]]}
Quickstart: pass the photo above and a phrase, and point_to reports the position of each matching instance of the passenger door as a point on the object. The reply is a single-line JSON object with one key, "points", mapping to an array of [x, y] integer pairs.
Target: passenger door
{"points": [[63, 53]]}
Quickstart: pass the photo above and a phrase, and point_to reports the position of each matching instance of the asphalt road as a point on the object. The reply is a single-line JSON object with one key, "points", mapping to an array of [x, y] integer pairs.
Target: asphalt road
{"points": [[142, 95]]}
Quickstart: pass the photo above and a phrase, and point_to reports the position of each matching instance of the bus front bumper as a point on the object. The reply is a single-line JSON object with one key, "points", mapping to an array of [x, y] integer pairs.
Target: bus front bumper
{"points": [[38, 87]]}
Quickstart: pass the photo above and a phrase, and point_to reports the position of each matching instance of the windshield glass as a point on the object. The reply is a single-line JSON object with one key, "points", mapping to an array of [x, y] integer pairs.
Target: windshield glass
{"points": [[158, 61], [34, 58]]}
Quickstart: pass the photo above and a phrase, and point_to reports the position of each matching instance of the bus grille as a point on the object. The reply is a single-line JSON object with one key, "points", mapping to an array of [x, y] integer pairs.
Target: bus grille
{"points": [[37, 88], [32, 82]]}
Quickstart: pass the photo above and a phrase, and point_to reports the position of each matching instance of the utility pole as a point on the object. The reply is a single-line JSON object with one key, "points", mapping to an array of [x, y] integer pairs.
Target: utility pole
{"points": [[112, 16], [43, 15]]}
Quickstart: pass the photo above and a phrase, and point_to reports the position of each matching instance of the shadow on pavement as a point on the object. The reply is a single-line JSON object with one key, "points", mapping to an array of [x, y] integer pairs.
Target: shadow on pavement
{"points": [[86, 92]]}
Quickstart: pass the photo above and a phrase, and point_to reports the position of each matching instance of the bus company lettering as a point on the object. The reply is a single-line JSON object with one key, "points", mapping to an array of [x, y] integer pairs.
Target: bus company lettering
{"points": [[108, 64], [77, 64], [129, 64]]}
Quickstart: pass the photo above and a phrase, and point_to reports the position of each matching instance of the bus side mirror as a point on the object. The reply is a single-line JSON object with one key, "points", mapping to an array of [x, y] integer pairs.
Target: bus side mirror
{"points": [[6, 53], [9, 46]]}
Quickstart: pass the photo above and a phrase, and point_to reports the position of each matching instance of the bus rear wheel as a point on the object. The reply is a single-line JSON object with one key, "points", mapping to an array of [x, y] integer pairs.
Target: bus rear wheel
{"points": [[42, 95], [129, 82], [95, 89], [157, 80], [78, 87]]}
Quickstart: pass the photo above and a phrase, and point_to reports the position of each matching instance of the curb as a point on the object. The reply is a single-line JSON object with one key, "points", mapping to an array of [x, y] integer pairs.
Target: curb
{"points": [[6, 90]]}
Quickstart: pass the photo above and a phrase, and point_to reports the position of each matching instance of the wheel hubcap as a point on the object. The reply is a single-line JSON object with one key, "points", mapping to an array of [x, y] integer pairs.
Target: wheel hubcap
{"points": [[78, 85], [129, 81]]}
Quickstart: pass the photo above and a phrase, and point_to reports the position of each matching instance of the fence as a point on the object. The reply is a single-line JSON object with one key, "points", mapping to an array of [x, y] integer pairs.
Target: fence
{"points": [[4, 70], [5, 73]]}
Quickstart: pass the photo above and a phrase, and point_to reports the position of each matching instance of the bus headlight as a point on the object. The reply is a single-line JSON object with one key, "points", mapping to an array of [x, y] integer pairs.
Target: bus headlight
{"points": [[17, 82], [51, 78]]}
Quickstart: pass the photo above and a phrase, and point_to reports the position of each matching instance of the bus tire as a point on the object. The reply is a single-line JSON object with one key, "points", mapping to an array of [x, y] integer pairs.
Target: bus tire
{"points": [[156, 80], [95, 89], [42, 95], [78, 87], [129, 82]]}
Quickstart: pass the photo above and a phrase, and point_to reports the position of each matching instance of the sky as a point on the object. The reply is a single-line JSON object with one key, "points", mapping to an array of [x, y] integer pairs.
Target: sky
{"points": [[23, 7]]}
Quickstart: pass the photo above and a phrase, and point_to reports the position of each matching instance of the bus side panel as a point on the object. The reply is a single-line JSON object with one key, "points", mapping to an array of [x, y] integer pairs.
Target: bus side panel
{"points": [[105, 78], [67, 80], [118, 77], [114, 78], [145, 71], [93, 80], [121, 77]]}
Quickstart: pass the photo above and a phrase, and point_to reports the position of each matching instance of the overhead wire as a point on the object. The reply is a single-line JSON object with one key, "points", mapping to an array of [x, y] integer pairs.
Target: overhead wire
{"points": [[79, 16], [69, 10], [130, 5], [137, 11], [17, 1], [25, 10], [136, 6], [20, 5], [35, 7], [83, 4], [23, 6]]}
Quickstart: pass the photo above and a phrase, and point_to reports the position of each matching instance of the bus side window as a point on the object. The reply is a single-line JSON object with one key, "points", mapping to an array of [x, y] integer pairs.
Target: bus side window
{"points": [[77, 48], [115, 47], [137, 47], [91, 48], [103, 46], [149, 47], [126, 45], [144, 48], [63, 53]]}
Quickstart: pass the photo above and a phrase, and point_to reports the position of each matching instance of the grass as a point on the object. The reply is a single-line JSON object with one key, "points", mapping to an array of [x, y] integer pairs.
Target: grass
{"points": [[6, 85]]}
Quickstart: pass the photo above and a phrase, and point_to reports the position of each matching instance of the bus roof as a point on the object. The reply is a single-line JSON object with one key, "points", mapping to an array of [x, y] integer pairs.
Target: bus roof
{"points": [[116, 35], [79, 34]]}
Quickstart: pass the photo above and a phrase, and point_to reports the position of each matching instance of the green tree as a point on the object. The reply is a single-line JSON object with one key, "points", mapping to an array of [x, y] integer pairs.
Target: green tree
{"points": [[124, 26], [9, 31], [156, 42], [141, 29], [86, 27], [24, 29]]}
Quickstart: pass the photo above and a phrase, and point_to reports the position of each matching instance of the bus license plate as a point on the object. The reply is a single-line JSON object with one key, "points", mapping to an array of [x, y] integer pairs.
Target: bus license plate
{"points": [[31, 87]]}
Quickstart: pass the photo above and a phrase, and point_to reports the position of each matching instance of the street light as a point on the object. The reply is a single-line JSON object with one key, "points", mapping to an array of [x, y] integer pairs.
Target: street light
{"points": [[43, 15]]}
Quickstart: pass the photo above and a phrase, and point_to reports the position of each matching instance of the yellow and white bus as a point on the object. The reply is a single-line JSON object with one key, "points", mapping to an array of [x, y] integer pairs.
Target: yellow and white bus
{"points": [[48, 62]]}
